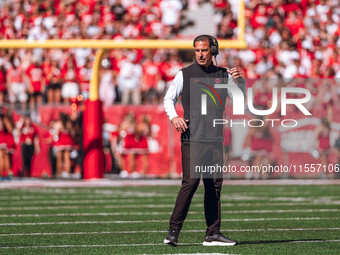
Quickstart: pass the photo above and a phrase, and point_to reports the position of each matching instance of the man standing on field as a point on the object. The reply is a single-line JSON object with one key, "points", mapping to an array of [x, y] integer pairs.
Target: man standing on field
{"points": [[201, 144]]}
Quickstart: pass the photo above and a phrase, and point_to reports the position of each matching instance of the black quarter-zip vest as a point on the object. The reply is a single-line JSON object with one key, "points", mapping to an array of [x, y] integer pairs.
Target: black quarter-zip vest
{"points": [[195, 81]]}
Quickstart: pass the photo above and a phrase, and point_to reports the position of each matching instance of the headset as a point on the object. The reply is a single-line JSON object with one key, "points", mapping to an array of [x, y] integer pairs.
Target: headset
{"points": [[213, 43]]}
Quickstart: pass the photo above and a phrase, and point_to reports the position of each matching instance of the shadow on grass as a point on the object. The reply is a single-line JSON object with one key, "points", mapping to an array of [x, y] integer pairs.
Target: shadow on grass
{"points": [[280, 241], [254, 242]]}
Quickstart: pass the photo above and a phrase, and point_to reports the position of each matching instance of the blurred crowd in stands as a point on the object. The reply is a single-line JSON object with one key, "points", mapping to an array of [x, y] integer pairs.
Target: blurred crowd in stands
{"points": [[128, 144], [286, 39], [123, 145], [290, 39], [56, 75], [63, 138]]}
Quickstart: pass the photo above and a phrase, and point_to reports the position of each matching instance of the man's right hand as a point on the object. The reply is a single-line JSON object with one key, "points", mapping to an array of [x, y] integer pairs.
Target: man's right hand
{"points": [[180, 124]]}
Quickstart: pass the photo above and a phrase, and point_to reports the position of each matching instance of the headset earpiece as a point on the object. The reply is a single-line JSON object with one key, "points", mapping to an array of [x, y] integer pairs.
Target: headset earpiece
{"points": [[214, 46]]}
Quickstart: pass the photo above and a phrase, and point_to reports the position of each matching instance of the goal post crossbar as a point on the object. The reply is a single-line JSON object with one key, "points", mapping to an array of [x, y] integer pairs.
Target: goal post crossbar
{"points": [[93, 167], [114, 44], [103, 45], [131, 44]]}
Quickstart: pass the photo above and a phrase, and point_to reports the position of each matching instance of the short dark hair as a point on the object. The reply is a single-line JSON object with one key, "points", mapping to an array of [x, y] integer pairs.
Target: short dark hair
{"points": [[203, 38]]}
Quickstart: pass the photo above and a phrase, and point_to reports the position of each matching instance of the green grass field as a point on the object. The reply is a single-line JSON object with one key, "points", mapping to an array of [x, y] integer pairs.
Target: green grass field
{"points": [[134, 220]]}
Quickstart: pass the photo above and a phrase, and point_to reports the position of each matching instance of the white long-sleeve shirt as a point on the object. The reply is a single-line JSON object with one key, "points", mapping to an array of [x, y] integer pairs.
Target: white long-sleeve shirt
{"points": [[172, 95], [176, 88]]}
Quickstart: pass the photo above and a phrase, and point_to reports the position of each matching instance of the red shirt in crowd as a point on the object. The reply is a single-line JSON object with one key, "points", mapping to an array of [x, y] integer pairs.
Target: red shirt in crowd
{"points": [[260, 17], [28, 134], [90, 3], [107, 16], [70, 14], [84, 76], [36, 76], [15, 75], [8, 33], [155, 28], [220, 4], [2, 81], [86, 18], [294, 23], [133, 30], [135, 10], [289, 7], [170, 69], [150, 71], [47, 68]]}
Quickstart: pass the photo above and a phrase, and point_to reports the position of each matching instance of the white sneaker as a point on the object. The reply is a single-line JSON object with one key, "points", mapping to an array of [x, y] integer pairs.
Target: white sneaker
{"points": [[65, 175], [218, 240], [123, 174], [77, 176], [135, 175]]}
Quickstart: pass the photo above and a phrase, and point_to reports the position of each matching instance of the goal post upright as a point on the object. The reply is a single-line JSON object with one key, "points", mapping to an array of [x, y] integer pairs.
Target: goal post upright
{"points": [[93, 121], [93, 113]]}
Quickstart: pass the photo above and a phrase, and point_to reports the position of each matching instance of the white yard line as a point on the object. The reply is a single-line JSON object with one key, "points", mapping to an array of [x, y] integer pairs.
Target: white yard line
{"points": [[160, 213], [73, 197], [194, 254], [79, 194], [172, 198], [144, 244], [159, 221], [89, 245], [214, 253], [132, 206], [34, 183], [164, 231], [96, 201]]}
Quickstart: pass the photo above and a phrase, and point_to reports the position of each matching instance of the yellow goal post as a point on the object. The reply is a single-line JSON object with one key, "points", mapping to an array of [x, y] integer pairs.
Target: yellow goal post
{"points": [[103, 45], [92, 166]]}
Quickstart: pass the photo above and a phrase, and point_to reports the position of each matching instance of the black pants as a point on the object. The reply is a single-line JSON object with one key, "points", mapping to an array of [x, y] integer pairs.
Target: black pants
{"points": [[27, 155], [212, 186], [53, 161]]}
